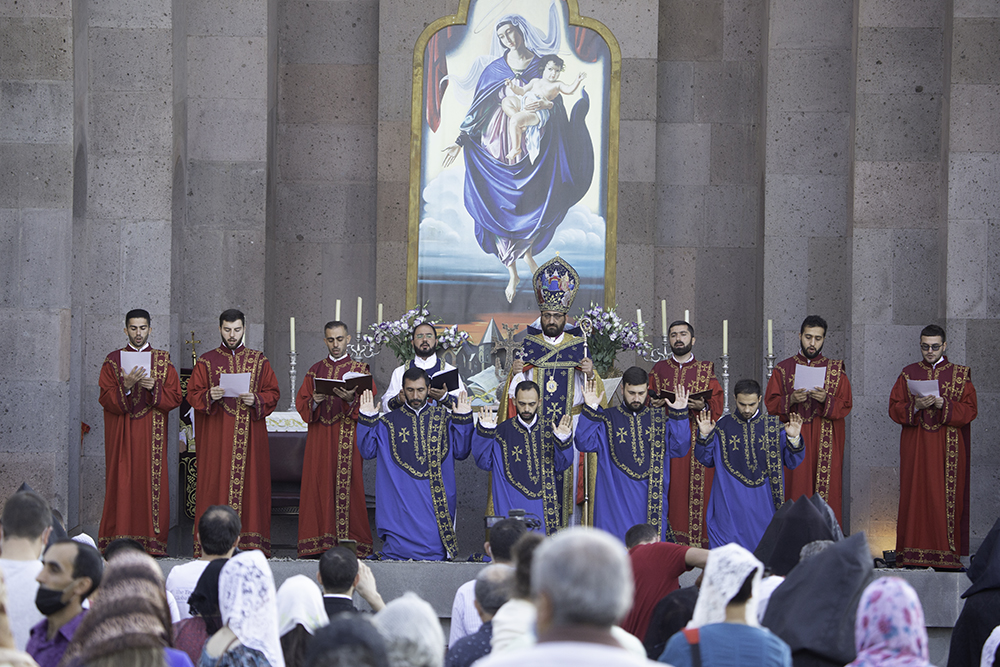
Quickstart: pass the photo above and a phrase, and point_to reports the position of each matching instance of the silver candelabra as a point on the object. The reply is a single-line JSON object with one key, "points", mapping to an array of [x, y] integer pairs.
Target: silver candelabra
{"points": [[292, 358], [658, 354], [725, 383], [365, 348], [770, 367]]}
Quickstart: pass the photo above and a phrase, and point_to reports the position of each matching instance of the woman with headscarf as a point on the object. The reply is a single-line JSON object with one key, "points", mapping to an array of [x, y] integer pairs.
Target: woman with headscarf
{"points": [[191, 634], [129, 623], [249, 635], [724, 629], [981, 612], [300, 615], [9, 655], [889, 629]]}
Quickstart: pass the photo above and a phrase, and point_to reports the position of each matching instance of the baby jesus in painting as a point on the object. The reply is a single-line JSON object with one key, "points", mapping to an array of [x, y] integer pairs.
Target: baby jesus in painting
{"points": [[523, 106]]}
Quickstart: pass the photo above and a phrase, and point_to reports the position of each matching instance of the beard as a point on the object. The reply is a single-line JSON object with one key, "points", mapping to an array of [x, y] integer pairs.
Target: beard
{"points": [[551, 330], [815, 354], [416, 403], [233, 346], [681, 351], [636, 406], [526, 417]]}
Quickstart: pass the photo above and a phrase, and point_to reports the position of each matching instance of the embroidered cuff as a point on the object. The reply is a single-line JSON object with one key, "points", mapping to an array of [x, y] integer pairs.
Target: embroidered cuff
{"points": [[678, 414], [796, 444], [707, 438], [592, 413], [462, 419], [368, 420], [484, 430]]}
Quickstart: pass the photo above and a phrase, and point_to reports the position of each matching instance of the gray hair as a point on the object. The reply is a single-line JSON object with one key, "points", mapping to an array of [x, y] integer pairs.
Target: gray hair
{"points": [[412, 632], [586, 575], [494, 585]]}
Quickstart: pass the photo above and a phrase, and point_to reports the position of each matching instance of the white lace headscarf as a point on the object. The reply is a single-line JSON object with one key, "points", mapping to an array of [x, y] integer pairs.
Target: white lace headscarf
{"points": [[727, 569], [300, 603], [247, 603]]}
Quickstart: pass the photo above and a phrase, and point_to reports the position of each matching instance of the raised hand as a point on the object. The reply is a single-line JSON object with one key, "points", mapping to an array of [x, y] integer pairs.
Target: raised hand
{"points": [[488, 416], [564, 428], [463, 405], [450, 153], [367, 402], [681, 395], [705, 423], [794, 425], [590, 395]]}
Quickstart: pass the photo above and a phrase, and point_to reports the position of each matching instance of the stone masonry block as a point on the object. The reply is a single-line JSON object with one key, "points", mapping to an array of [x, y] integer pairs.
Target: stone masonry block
{"points": [[829, 282], [398, 30], [675, 92], [683, 153], [735, 154], [639, 89], [967, 265], [872, 279], [786, 276], [810, 205], [993, 268], [339, 153], [36, 48], [637, 151], [811, 25], [129, 59], [675, 279], [328, 32], [135, 187], [228, 195], [328, 93], [975, 51], [883, 363], [634, 290], [898, 194], [36, 112], [900, 60], [691, 31], [92, 486], [38, 8], [146, 259], [974, 186], [234, 67], [744, 24], [874, 437], [902, 13], [976, 9], [45, 471], [817, 80], [130, 122], [393, 210], [916, 276], [33, 358], [349, 272], [129, 14], [982, 359], [726, 92], [10, 258], [974, 113], [732, 214], [102, 274], [394, 151], [325, 212], [46, 242], [248, 17], [395, 88], [636, 212], [807, 143], [680, 215], [227, 130], [36, 176]]}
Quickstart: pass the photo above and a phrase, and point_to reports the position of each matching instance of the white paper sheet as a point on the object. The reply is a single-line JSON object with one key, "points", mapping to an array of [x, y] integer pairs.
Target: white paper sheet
{"points": [[235, 384], [809, 377], [132, 359], [924, 388]]}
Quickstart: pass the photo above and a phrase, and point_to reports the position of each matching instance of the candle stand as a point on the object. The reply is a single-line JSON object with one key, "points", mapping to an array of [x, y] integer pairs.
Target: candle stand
{"points": [[658, 354], [725, 383], [292, 358]]}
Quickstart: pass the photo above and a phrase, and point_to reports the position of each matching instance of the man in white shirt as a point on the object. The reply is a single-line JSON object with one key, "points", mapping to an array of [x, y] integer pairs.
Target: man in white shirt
{"points": [[218, 531], [424, 343], [27, 522]]}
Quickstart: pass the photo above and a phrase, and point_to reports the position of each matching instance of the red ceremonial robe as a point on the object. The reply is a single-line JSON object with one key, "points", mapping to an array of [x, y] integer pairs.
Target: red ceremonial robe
{"points": [[332, 504], [137, 491], [933, 524], [822, 471], [234, 465], [690, 481]]}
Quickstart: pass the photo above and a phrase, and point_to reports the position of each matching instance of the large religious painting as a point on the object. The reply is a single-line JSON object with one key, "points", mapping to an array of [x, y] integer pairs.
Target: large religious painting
{"points": [[514, 158]]}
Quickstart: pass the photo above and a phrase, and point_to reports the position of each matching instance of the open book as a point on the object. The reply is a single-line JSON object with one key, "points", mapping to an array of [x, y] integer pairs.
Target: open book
{"points": [[351, 380]]}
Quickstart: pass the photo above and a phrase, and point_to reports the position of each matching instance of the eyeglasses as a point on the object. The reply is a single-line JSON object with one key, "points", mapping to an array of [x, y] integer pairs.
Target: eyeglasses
{"points": [[428, 336], [936, 346]]}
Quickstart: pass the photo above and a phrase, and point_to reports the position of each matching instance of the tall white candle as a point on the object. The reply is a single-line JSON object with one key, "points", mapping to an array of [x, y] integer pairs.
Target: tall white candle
{"points": [[725, 336], [770, 337], [357, 329], [291, 331], [336, 311], [638, 320], [663, 316], [687, 316], [380, 313]]}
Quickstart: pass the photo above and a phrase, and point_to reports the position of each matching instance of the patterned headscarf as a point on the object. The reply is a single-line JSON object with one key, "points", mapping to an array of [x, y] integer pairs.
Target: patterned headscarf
{"points": [[300, 603], [130, 612], [728, 567], [247, 603], [889, 630]]}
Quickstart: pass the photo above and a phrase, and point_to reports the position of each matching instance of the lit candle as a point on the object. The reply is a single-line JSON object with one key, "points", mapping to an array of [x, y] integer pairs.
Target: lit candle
{"points": [[687, 316], [336, 312], [357, 329], [663, 316], [291, 330], [725, 336], [380, 313], [770, 337]]}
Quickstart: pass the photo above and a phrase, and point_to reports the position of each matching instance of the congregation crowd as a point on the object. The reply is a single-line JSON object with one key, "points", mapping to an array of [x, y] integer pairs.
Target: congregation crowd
{"points": [[807, 596]]}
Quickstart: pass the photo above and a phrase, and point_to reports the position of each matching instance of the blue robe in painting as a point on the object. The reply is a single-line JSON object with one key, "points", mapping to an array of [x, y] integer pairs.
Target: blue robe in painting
{"points": [[524, 466], [519, 206], [633, 463], [749, 483], [415, 478]]}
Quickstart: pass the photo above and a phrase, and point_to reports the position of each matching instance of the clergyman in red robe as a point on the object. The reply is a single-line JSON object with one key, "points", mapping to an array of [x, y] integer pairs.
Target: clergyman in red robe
{"points": [[690, 481], [332, 503], [234, 465], [823, 411], [933, 524], [136, 403]]}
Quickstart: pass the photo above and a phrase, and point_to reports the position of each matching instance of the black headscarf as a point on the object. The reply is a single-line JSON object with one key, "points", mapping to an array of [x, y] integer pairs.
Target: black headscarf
{"points": [[981, 612], [793, 526], [204, 599], [984, 571]]}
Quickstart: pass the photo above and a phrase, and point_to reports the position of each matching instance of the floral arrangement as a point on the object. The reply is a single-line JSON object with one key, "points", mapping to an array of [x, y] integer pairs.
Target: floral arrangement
{"points": [[396, 334], [608, 335]]}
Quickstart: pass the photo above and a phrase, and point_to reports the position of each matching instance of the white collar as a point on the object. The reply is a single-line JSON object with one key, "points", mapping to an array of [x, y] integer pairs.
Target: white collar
{"points": [[146, 347], [415, 410], [340, 358], [526, 425], [429, 362], [338, 595], [681, 363], [938, 362], [556, 340]]}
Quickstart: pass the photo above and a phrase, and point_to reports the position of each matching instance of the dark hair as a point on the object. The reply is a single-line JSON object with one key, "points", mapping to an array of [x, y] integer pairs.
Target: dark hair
{"points": [[413, 332], [334, 324], [639, 533], [681, 323], [204, 599], [746, 386], [414, 374], [932, 330], [527, 385], [635, 376], [338, 567], [219, 529], [121, 545], [26, 515], [138, 313], [86, 563], [745, 591], [232, 315], [523, 553], [349, 641], [295, 644], [551, 58], [503, 535], [813, 321]]}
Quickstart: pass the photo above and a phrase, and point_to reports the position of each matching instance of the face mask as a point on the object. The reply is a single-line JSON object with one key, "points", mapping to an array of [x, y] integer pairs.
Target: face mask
{"points": [[49, 601]]}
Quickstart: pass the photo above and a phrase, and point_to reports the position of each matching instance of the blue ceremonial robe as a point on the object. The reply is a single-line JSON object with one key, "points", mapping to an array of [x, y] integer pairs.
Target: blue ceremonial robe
{"points": [[415, 478], [524, 467], [749, 482], [633, 463]]}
